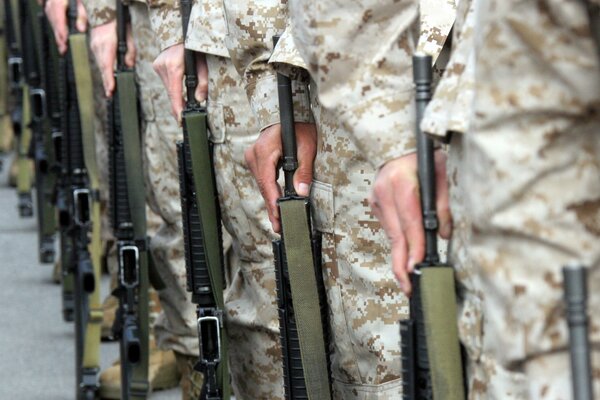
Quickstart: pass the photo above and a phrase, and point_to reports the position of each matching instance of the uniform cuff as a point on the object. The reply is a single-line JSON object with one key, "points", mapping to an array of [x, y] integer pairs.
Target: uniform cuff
{"points": [[166, 24], [265, 102], [100, 12], [384, 126]]}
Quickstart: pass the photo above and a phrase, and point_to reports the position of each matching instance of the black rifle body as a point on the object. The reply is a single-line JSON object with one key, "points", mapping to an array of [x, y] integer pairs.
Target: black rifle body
{"points": [[131, 249], [79, 199], [202, 234], [575, 286], [294, 371], [36, 51]]}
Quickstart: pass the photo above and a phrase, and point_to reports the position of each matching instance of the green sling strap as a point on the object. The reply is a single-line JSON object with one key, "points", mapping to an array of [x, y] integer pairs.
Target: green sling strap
{"points": [[305, 297], [438, 294], [84, 87], [24, 178], [137, 205], [196, 124]]}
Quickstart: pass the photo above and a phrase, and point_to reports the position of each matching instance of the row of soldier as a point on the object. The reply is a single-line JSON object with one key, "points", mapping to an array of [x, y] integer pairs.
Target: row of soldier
{"points": [[514, 114]]}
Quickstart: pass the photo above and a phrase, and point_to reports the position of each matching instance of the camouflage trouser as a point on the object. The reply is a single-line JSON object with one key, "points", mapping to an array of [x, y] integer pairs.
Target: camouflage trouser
{"points": [[101, 136], [250, 297], [364, 298], [525, 197], [175, 328]]}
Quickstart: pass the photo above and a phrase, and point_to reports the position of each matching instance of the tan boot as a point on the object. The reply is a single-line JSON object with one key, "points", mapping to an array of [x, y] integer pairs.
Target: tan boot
{"points": [[191, 380], [162, 374], [8, 135], [109, 311], [13, 172], [57, 271]]}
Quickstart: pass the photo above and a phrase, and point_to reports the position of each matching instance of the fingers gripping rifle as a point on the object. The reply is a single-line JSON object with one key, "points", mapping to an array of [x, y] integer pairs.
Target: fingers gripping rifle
{"points": [[127, 207], [202, 233], [84, 209], [300, 294], [431, 358]]}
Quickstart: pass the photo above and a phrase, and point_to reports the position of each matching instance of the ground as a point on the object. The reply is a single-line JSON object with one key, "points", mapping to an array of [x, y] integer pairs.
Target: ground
{"points": [[36, 346]]}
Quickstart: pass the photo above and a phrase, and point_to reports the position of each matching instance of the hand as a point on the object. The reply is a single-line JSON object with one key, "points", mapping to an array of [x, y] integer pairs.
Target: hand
{"points": [[263, 160], [395, 201], [56, 11], [170, 66], [103, 42]]}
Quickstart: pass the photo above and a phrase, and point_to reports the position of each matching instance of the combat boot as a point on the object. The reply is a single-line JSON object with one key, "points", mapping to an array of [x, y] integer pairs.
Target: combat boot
{"points": [[57, 271], [191, 380], [162, 374], [13, 172], [6, 143], [109, 311]]}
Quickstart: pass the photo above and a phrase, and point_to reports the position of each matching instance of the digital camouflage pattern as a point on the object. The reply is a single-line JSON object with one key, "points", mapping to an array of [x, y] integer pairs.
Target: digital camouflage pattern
{"points": [[534, 139], [251, 24], [524, 82]]}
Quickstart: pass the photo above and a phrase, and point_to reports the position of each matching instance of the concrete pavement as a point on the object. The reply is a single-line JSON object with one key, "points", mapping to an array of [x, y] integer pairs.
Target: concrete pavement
{"points": [[36, 347]]}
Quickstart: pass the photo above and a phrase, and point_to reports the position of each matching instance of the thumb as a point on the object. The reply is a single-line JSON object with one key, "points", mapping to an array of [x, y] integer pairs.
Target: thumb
{"points": [[131, 50], [81, 23], [175, 91], [303, 179]]}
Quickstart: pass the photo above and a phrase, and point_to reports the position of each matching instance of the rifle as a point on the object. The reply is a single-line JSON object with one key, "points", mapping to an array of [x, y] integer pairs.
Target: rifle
{"points": [[57, 108], [301, 297], [21, 115], [575, 286], [84, 210], [431, 357], [128, 217], [35, 52], [202, 233]]}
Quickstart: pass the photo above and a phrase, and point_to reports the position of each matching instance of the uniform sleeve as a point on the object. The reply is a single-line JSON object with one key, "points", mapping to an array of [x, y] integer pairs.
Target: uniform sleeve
{"points": [[251, 25], [360, 55], [165, 17], [451, 105], [100, 12]]}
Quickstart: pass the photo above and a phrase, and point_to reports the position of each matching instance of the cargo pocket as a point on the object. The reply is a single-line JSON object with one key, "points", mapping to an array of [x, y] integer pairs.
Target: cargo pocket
{"points": [[386, 391], [323, 208], [216, 123]]}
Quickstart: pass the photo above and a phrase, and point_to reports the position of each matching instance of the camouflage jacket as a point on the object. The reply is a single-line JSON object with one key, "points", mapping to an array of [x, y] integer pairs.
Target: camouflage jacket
{"points": [[451, 105], [361, 67], [164, 17], [251, 25]]}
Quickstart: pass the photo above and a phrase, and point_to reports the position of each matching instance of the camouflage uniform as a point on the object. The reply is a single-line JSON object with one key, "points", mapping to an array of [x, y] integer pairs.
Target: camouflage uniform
{"points": [[175, 328], [364, 299], [250, 297], [525, 92]]}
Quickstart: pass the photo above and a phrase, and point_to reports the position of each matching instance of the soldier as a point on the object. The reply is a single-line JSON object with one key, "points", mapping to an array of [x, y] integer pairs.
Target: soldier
{"points": [[526, 117], [365, 302], [250, 299], [521, 98], [175, 328]]}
